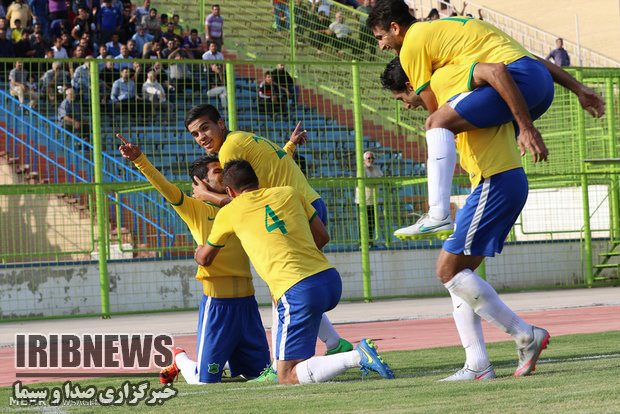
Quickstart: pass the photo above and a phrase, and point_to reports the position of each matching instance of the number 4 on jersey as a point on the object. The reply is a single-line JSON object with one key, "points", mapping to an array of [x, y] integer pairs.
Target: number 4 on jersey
{"points": [[277, 223]]}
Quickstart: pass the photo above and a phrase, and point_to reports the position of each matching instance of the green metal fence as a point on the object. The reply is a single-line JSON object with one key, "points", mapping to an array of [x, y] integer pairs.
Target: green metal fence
{"points": [[83, 233]]}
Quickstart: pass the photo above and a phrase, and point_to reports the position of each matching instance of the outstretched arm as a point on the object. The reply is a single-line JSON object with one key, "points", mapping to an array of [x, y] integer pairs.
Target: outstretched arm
{"points": [[589, 100]]}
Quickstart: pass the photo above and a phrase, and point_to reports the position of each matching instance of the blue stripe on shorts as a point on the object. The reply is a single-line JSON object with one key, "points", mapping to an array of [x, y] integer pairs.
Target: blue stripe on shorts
{"points": [[484, 107], [300, 310], [490, 211]]}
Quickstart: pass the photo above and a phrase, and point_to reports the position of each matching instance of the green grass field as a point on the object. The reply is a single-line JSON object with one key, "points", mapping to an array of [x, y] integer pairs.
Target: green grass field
{"points": [[577, 373]]}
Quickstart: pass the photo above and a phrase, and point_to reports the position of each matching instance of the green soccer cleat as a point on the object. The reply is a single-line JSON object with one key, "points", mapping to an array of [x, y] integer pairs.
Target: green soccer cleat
{"points": [[371, 360], [268, 375], [343, 346]]}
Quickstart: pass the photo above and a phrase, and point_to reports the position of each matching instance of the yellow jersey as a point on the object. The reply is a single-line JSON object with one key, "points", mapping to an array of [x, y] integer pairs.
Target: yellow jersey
{"points": [[483, 152], [272, 224], [274, 166], [229, 276], [428, 46]]}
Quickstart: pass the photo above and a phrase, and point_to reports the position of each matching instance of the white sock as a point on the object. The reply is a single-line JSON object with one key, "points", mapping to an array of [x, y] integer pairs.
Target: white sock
{"points": [[274, 335], [187, 368], [470, 331], [226, 366], [328, 334], [485, 301], [439, 170], [324, 368]]}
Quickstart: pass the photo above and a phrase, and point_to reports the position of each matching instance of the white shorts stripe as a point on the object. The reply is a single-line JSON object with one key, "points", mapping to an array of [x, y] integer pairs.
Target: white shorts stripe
{"points": [[484, 195], [205, 320], [287, 322], [453, 103]]}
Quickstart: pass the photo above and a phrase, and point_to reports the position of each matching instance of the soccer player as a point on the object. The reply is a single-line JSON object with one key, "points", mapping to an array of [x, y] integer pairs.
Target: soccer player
{"points": [[520, 89], [274, 167], [492, 159], [229, 324], [282, 234]]}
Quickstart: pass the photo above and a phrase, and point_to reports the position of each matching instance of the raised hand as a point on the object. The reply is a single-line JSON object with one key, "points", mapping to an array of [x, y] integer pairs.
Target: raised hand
{"points": [[299, 137], [128, 150]]}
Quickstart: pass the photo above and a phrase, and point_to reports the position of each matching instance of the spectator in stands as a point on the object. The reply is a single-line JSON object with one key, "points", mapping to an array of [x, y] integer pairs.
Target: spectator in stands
{"points": [[109, 20], [18, 30], [55, 81], [302, 18], [325, 6], [370, 170], [39, 15], [284, 81], [80, 82], [39, 45], [23, 47], [18, 78], [269, 97], [114, 46], [70, 115], [281, 12], [108, 74], [559, 54], [320, 31], [59, 51], [83, 23], [103, 52], [138, 74], [367, 39], [141, 38], [18, 10], [123, 55], [85, 43], [216, 86], [214, 27], [142, 10], [162, 77], [169, 34], [128, 25], [7, 50], [124, 96], [341, 35], [57, 10], [213, 54], [178, 29], [156, 51], [4, 24], [66, 43], [79, 52], [71, 14], [154, 93], [163, 22], [193, 45], [151, 23], [180, 74], [132, 50]]}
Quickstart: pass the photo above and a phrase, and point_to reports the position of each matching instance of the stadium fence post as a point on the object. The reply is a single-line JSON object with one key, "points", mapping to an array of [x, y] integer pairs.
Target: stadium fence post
{"points": [[291, 26], [361, 181], [232, 100], [614, 194], [104, 283], [581, 136]]}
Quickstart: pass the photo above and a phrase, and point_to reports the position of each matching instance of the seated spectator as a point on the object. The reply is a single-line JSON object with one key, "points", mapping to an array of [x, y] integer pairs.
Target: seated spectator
{"points": [[123, 55], [4, 24], [169, 34], [142, 10], [213, 54], [18, 30], [18, 78], [217, 87], [156, 51], [39, 44], [123, 95], [23, 47], [85, 43], [108, 74], [79, 52], [193, 44], [59, 51], [141, 38], [80, 82], [269, 97], [285, 81], [178, 29], [7, 50], [128, 25], [341, 33], [131, 49], [70, 116], [66, 43], [162, 77], [154, 93], [114, 46], [138, 74], [151, 23], [109, 21], [319, 36], [55, 81], [173, 49], [180, 74], [18, 10]]}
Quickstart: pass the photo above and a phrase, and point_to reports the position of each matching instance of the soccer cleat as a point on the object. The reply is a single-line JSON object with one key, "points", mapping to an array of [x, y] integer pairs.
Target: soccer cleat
{"points": [[528, 355], [343, 346], [268, 375], [169, 374], [370, 359], [427, 227], [465, 374]]}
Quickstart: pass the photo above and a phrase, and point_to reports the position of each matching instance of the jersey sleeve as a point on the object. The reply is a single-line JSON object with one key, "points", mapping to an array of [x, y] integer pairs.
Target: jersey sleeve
{"points": [[290, 147], [416, 61], [222, 229]]}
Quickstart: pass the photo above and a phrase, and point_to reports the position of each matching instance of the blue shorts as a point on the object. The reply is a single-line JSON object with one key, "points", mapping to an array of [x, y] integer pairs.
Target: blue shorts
{"points": [[300, 310], [490, 211], [321, 210], [484, 107], [230, 330]]}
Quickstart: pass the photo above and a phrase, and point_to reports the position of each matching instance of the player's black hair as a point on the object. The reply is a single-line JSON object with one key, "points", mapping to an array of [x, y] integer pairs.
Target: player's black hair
{"points": [[433, 13], [200, 111], [199, 167], [393, 77], [239, 175], [388, 11]]}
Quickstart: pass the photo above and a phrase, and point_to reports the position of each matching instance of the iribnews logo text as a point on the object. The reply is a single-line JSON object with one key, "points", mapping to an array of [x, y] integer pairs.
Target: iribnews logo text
{"points": [[93, 351]]}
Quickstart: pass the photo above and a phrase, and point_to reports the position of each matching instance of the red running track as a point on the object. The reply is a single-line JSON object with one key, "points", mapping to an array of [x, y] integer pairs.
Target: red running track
{"points": [[389, 336]]}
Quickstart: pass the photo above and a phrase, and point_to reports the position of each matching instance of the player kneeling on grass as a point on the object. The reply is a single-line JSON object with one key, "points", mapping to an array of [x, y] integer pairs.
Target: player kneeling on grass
{"points": [[492, 159], [282, 234], [229, 324]]}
